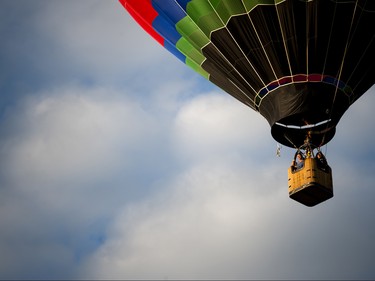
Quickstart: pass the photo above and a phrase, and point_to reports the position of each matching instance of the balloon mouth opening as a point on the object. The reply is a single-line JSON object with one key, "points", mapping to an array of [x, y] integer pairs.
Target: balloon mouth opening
{"points": [[294, 135], [303, 127]]}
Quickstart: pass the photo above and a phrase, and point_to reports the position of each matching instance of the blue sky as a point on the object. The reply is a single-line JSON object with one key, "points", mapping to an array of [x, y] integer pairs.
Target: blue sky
{"points": [[119, 162]]}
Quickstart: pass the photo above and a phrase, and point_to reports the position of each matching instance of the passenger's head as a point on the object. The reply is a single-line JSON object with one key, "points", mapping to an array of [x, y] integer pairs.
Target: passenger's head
{"points": [[299, 156]]}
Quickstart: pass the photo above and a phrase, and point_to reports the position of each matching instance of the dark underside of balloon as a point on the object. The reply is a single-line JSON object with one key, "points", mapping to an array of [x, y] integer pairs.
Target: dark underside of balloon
{"points": [[301, 110]]}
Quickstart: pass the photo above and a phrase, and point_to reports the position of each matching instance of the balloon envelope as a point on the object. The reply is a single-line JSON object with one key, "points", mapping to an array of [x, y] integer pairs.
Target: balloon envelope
{"points": [[300, 64]]}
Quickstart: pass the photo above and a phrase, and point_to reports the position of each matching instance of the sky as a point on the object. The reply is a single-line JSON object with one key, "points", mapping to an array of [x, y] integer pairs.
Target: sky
{"points": [[119, 162]]}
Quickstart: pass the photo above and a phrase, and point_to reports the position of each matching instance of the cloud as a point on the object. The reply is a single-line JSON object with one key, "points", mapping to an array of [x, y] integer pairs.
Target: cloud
{"points": [[227, 216], [58, 126], [100, 37], [205, 226], [94, 43], [166, 192], [220, 221], [70, 158], [215, 124]]}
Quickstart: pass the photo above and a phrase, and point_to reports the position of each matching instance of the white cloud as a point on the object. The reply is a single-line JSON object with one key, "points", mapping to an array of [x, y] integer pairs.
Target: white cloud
{"points": [[226, 220], [77, 131], [99, 38], [70, 158], [213, 217], [214, 125], [211, 221], [229, 216]]}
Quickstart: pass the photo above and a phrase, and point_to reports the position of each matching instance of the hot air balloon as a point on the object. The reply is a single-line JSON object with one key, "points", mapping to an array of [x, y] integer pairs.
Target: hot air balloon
{"points": [[299, 63]]}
